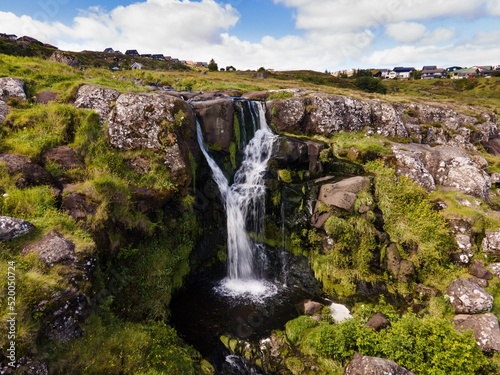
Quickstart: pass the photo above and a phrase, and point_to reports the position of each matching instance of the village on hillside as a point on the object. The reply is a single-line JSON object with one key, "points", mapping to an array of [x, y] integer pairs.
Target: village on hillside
{"points": [[427, 72]]}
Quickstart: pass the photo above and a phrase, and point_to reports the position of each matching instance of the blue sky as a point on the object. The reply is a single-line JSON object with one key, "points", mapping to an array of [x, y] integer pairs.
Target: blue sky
{"points": [[280, 34]]}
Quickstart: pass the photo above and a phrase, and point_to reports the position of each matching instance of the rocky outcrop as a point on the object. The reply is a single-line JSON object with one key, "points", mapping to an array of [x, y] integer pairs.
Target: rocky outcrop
{"points": [[485, 329], [78, 205], [462, 230], [62, 314], [467, 297], [491, 243], [64, 157], [65, 58], [4, 111], [217, 120], [155, 122], [402, 269], [325, 114], [443, 166], [52, 249], [12, 88], [11, 228], [30, 174], [364, 365], [98, 98]]}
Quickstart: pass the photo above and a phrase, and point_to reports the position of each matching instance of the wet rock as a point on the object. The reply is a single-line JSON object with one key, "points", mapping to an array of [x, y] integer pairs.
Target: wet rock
{"points": [[256, 95], [468, 298], [12, 88], [485, 329], [62, 315], [491, 243], [364, 365], [478, 270], [403, 270], [98, 98], [4, 111], [53, 248], [30, 173], [65, 58], [216, 94], [11, 228], [377, 322], [217, 121]]}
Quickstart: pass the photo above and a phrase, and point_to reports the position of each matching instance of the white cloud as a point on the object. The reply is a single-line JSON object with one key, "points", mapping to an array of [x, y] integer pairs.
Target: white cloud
{"points": [[406, 32], [336, 34], [413, 32]]}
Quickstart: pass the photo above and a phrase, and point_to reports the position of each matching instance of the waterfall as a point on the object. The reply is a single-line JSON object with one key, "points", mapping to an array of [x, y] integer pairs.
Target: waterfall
{"points": [[244, 202]]}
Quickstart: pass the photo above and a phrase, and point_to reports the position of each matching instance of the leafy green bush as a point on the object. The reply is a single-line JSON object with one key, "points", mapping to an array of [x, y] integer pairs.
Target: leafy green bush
{"points": [[370, 84], [410, 220], [296, 328]]}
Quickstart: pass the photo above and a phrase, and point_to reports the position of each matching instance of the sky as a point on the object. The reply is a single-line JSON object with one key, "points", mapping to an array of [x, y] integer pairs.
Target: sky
{"points": [[319, 35]]}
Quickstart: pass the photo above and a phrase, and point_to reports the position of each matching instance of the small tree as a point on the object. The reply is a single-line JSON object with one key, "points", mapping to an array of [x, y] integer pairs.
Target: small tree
{"points": [[212, 66]]}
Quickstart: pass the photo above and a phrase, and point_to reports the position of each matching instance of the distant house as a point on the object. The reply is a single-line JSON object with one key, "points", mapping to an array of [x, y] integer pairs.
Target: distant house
{"points": [[401, 72], [453, 68], [202, 64], [380, 73], [109, 50], [464, 73], [29, 39], [230, 68], [132, 52], [9, 36], [158, 56], [432, 72], [136, 66]]}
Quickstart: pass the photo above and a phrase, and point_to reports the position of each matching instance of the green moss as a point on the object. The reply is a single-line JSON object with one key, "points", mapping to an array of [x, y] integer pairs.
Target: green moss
{"points": [[232, 154], [295, 329], [285, 175]]}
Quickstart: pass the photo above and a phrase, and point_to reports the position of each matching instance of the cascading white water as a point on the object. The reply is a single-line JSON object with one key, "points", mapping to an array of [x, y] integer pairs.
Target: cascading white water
{"points": [[244, 201]]}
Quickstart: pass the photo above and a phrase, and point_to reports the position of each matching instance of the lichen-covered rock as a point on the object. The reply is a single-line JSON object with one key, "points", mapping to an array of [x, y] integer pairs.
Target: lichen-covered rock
{"points": [[217, 121], [387, 119], [155, 122], [30, 173], [467, 297], [12, 87], [485, 329], [62, 315], [445, 166], [491, 243], [411, 163], [364, 365], [31, 366], [53, 248], [11, 228], [98, 98], [462, 231], [4, 111]]}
